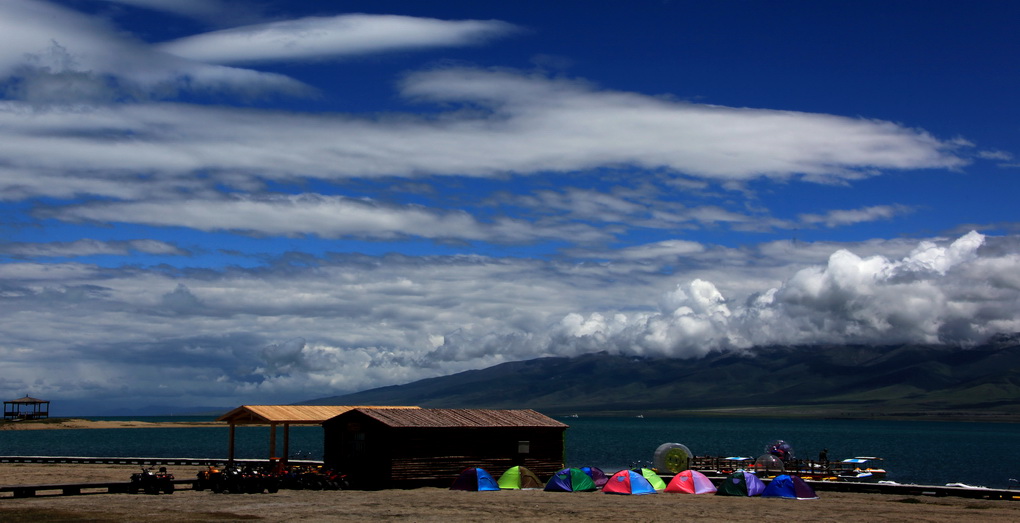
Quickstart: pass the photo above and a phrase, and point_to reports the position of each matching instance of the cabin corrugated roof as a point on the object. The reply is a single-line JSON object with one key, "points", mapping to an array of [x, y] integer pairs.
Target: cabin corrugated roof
{"points": [[460, 418], [292, 414]]}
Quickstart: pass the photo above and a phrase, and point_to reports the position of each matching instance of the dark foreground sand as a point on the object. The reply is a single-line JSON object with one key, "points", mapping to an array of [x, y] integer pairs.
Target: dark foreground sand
{"points": [[432, 504]]}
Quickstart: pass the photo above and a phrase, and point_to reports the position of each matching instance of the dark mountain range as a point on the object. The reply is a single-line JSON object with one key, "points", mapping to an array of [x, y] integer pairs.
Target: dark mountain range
{"points": [[900, 381]]}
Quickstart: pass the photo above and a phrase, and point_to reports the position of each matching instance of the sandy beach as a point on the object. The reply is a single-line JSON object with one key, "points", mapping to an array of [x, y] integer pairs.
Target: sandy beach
{"points": [[78, 423], [434, 504]]}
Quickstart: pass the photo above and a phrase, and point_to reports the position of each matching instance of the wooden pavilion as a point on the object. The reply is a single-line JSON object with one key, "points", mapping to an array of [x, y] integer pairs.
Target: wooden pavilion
{"points": [[26, 408], [286, 415]]}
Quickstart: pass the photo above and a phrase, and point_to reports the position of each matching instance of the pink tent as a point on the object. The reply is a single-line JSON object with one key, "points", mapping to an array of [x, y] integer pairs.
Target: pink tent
{"points": [[691, 482]]}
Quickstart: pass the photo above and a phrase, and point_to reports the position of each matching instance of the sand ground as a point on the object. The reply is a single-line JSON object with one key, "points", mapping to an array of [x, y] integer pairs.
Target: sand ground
{"points": [[433, 504], [77, 423]]}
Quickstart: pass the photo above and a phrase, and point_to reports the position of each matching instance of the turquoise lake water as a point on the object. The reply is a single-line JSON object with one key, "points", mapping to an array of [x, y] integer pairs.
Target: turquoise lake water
{"points": [[924, 452]]}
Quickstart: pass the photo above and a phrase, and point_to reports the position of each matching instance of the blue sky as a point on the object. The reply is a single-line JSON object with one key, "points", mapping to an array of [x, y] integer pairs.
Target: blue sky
{"points": [[215, 202]]}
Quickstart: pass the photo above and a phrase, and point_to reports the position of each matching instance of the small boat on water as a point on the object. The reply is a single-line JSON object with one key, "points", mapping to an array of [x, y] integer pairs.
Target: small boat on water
{"points": [[777, 459], [858, 469]]}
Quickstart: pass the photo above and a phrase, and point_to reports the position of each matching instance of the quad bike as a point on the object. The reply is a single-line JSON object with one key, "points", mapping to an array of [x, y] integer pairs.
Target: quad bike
{"points": [[152, 482], [211, 478], [238, 480]]}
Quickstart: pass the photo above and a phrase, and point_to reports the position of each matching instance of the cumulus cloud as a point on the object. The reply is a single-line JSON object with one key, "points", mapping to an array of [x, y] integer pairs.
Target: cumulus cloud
{"points": [[291, 331], [331, 37], [937, 294]]}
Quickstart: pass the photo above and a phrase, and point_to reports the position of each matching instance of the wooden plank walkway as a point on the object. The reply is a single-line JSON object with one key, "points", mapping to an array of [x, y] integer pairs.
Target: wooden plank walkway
{"points": [[75, 489]]}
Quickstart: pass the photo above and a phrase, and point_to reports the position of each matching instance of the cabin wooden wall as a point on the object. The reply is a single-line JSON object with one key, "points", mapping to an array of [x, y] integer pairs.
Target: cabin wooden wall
{"points": [[386, 457]]}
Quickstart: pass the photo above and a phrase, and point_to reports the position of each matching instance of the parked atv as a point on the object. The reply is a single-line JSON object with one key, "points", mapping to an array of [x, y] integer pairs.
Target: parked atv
{"points": [[152, 482], [211, 478]]}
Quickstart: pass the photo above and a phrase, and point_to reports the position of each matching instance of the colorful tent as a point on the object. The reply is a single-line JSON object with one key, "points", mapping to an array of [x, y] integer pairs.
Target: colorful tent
{"points": [[600, 478], [474, 479], [741, 483], [516, 478], [691, 482], [652, 478], [628, 482], [570, 480], [786, 486]]}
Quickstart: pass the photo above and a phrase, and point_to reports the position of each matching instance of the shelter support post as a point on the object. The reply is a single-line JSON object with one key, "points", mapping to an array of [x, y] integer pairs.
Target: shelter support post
{"points": [[286, 443], [272, 440]]}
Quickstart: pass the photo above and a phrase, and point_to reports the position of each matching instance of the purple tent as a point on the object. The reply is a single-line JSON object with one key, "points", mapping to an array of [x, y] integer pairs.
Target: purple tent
{"points": [[600, 478]]}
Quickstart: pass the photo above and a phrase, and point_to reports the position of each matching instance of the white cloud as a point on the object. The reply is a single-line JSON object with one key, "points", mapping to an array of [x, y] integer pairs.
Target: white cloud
{"points": [[331, 37], [208, 10], [286, 332], [841, 217], [325, 216], [56, 55], [666, 248], [88, 247], [570, 125], [535, 125]]}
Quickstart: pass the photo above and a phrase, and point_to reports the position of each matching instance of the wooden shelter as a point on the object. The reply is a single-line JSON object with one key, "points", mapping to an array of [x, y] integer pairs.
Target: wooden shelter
{"points": [[285, 415], [26, 408], [379, 448]]}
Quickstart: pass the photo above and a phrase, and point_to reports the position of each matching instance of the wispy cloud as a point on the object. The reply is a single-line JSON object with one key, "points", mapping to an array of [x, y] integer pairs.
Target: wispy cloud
{"points": [[332, 37], [312, 214], [88, 247], [207, 10], [534, 124], [841, 217], [55, 55]]}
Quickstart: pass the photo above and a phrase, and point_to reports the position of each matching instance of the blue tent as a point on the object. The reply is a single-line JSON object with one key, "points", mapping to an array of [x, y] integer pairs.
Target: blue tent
{"points": [[474, 479], [786, 486], [628, 482]]}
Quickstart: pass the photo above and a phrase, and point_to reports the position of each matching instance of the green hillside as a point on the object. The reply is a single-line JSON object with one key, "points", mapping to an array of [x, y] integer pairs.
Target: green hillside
{"points": [[902, 381]]}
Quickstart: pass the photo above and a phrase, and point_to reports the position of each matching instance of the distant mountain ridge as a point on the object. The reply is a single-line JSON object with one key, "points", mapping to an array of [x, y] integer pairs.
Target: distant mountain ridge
{"points": [[897, 381]]}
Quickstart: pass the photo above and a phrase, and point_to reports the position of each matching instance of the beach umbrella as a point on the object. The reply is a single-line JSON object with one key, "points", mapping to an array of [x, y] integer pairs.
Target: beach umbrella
{"points": [[691, 482], [519, 477], [570, 480], [628, 482], [741, 483], [474, 479]]}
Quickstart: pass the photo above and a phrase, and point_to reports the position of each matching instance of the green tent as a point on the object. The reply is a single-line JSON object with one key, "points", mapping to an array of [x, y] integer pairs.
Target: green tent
{"points": [[653, 478], [516, 478], [570, 480]]}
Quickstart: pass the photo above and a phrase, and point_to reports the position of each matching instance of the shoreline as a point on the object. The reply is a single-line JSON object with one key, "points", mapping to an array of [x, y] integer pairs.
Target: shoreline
{"points": [[80, 423], [438, 504]]}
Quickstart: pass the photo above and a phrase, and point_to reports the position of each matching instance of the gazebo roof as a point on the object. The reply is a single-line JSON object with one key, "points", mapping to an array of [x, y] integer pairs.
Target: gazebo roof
{"points": [[289, 414], [27, 399]]}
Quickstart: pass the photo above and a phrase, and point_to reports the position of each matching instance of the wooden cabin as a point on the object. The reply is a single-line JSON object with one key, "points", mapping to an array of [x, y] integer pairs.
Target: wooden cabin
{"points": [[402, 448]]}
